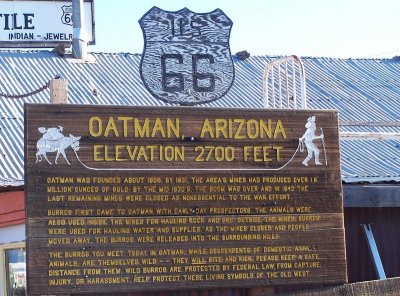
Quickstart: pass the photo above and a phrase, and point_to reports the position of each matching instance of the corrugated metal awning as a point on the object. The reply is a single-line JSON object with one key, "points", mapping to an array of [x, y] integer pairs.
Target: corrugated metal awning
{"points": [[365, 91]]}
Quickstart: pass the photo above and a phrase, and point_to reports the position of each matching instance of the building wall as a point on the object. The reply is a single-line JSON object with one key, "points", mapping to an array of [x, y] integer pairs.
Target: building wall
{"points": [[385, 226], [12, 228], [12, 208]]}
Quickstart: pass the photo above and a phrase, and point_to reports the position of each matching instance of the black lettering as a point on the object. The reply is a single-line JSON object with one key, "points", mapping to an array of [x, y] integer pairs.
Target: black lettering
{"points": [[181, 25], [15, 22], [195, 25], [6, 21], [201, 76], [169, 79], [28, 19]]}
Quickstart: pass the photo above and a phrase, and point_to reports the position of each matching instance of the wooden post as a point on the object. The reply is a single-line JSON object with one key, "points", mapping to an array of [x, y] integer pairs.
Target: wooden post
{"points": [[387, 287], [58, 91]]}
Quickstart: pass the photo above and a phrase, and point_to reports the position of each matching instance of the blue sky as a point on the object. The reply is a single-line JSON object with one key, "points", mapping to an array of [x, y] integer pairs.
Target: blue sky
{"points": [[335, 28]]}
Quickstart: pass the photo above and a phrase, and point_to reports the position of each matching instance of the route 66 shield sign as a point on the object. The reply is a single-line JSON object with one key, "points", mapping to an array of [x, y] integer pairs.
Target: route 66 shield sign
{"points": [[186, 57], [66, 17]]}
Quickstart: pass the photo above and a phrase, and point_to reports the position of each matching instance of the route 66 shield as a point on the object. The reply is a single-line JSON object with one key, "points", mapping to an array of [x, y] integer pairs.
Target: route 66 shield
{"points": [[66, 17], [186, 57]]}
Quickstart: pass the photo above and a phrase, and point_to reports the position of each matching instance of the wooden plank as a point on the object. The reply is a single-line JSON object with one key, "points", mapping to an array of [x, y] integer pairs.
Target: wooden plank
{"points": [[12, 208], [58, 91], [144, 269], [260, 291], [178, 225], [366, 196], [185, 193], [387, 287], [223, 194]]}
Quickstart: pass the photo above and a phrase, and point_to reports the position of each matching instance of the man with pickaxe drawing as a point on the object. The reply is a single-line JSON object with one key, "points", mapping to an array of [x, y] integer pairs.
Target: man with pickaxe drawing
{"points": [[308, 138]]}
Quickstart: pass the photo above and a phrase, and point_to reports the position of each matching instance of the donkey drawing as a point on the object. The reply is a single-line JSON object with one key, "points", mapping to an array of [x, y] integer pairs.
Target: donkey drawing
{"points": [[45, 146]]}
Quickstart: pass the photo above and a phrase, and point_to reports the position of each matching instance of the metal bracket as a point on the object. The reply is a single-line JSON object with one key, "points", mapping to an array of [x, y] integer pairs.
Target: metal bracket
{"points": [[285, 83], [373, 249]]}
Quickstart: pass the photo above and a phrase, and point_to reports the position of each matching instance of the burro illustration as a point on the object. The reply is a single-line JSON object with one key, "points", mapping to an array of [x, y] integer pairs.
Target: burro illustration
{"points": [[308, 140], [53, 140]]}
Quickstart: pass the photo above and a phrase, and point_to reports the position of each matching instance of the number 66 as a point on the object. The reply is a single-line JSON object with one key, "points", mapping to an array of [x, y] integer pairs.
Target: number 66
{"points": [[178, 76]]}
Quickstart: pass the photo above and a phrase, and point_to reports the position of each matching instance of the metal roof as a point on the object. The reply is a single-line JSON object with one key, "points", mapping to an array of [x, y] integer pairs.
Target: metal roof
{"points": [[365, 91]]}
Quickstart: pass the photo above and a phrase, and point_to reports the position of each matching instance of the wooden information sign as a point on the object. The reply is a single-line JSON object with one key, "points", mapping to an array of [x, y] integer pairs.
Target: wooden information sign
{"points": [[143, 198]]}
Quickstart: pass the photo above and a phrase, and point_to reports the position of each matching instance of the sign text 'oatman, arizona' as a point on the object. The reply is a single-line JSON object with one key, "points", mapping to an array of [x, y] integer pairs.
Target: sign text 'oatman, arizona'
{"points": [[141, 198]]}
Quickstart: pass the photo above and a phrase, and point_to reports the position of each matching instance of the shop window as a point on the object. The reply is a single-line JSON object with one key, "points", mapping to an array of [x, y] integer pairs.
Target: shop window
{"points": [[15, 260]]}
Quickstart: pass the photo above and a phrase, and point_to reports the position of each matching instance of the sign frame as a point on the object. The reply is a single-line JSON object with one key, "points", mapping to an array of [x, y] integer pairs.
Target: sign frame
{"points": [[199, 206], [37, 43]]}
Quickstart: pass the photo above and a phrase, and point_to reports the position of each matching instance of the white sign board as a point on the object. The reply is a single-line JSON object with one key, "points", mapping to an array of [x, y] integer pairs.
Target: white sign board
{"points": [[41, 23]]}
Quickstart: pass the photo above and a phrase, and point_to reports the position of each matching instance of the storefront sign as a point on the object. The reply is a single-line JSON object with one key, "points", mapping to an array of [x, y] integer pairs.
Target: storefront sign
{"points": [[186, 57], [143, 198], [41, 23]]}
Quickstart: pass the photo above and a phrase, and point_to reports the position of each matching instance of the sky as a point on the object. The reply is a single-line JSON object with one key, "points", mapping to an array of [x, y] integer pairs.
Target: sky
{"points": [[317, 28]]}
